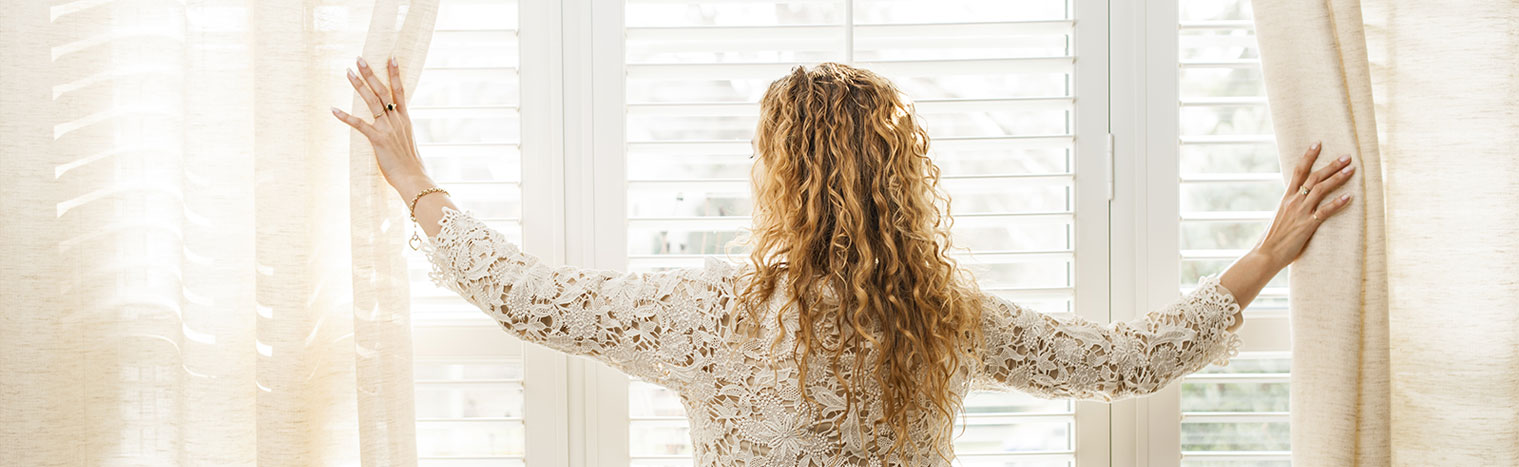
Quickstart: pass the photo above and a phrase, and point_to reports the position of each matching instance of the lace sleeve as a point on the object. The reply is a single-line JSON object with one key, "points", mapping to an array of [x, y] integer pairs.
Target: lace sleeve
{"points": [[1073, 357], [644, 324]]}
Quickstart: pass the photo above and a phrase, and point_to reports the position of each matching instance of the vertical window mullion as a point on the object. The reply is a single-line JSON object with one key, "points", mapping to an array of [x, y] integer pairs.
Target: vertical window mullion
{"points": [[1089, 44], [545, 392]]}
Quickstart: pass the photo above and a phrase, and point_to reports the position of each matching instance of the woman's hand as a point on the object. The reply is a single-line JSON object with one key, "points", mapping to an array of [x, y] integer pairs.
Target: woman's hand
{"points": [[1302, 210], [1303, 207], [390, 133]]}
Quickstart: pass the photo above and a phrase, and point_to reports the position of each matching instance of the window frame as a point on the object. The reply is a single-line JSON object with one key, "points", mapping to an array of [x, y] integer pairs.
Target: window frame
{"points": [[574, 187], [605, 397]]}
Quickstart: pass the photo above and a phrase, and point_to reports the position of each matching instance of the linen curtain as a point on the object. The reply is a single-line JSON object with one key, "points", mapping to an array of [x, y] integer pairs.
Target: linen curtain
{"points": [[200, 265], [1405, 308]]}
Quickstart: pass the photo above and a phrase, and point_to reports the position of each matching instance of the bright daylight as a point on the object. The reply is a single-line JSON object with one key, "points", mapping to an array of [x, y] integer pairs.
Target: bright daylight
{"points": [[650, 233]]}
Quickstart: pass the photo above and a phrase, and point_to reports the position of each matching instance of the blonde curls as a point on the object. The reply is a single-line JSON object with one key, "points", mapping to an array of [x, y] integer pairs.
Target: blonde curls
{"points": [[847, 201]]}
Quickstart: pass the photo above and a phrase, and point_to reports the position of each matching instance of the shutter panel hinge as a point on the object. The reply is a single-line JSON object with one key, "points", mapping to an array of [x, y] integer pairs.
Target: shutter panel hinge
{"points": [[1110, 167]]}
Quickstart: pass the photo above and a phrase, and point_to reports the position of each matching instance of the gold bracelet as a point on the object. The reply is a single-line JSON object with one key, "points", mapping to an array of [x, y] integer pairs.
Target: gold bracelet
{"points": [[419, 198]]}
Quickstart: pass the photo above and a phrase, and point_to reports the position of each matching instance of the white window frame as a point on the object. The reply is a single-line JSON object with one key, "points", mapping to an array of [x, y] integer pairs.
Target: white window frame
{"points": [[574, 187]]}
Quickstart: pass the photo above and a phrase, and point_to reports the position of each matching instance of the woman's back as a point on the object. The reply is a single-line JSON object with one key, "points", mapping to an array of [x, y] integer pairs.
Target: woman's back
{"points": [[743, 393]]}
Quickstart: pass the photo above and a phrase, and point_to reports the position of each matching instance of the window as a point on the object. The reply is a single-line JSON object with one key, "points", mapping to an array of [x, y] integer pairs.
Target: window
{"points": [[1230, 184], [618, 137], [996, 86]]}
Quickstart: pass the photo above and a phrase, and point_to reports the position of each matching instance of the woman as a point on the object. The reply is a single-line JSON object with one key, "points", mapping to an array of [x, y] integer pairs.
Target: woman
{"points": [[850, 338]]}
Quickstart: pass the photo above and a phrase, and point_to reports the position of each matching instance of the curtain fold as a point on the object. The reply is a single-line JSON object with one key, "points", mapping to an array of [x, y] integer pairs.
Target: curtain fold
{"points": [[1404, 324], [192, 272]]}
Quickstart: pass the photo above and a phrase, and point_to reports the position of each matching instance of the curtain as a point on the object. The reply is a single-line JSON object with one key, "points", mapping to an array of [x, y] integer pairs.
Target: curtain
{"points": [[200, 265], [1405, 307]]}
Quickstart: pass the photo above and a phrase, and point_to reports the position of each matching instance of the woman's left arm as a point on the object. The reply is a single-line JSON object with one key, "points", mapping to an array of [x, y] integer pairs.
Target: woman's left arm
{"points": [[645, 324]]}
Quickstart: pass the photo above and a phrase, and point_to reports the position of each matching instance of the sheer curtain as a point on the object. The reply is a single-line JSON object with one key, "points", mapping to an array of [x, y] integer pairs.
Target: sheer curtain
{"points": [[1405, 308], [200, 266]]}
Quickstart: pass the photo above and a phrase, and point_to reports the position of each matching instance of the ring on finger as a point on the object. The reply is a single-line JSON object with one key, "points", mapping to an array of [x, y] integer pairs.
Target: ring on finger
{"points": [[1303, 190], [1315, 216]]}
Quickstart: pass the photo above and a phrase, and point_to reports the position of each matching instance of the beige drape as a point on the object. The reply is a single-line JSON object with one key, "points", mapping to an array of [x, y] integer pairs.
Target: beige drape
{"points": [[1405, 308], [199, 265]]}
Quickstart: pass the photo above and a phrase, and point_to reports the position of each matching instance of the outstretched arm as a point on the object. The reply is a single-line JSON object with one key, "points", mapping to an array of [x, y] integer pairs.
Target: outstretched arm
{"points": [[1078, 358], [646, 325], [1074, 357]]}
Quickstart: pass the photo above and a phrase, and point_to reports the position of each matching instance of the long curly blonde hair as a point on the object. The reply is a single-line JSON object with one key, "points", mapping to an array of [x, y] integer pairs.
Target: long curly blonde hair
{"points": [[848, 201]]}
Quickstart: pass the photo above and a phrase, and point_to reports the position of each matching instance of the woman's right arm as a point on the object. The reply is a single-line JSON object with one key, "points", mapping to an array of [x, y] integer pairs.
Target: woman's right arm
{"points": [[645, 324], [1078, 358]]}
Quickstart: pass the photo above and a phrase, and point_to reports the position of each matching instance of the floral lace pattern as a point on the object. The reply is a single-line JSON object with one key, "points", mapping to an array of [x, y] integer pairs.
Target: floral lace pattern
{"points": [[742, 398]]}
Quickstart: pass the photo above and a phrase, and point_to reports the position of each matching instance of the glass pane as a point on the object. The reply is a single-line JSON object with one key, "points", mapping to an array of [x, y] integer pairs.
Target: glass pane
{"points": [[980, 435], [1221, 235], [448, 164], [433, 370], [653, 400], [477, 14], [1192, 270], [498, 126], [469, 400], [1233, 397], [1214, 10], [986, 85], [643, 241], [1011, 461], [1255, 436], [998, 123], [1229, 158], [1040, 274], [464, 87], [1213, 463], [672, 201], [925, 46], [659, 438], [1012, 235], [1221, 81], [757, 13], [1218, 44], [956, 11], [469, 438], [1013, 402], [1232, 196], [975, 161], [473, 48], [1225, 120], [486, 462]]}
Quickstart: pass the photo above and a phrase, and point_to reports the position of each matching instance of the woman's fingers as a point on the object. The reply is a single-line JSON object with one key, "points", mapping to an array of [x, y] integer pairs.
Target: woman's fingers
{"points": [[1332, 207], [374, 82], [364, 128], [398, 97], [397, 94], [1323, 173], [1321, 189], [1300, 173], [365, 93]]}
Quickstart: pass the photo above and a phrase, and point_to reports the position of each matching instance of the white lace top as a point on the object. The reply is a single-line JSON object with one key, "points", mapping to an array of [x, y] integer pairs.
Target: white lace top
{"points": [[743, 401]]}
